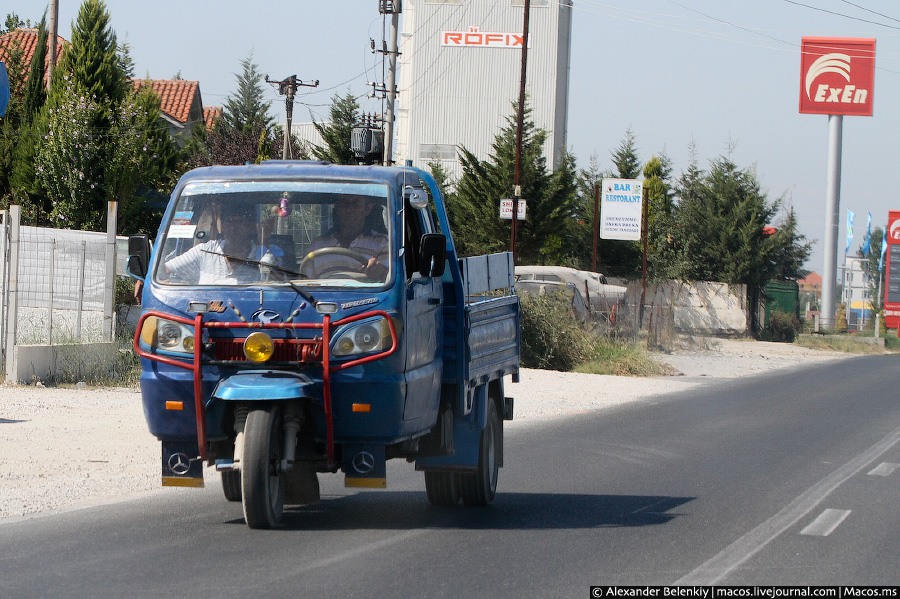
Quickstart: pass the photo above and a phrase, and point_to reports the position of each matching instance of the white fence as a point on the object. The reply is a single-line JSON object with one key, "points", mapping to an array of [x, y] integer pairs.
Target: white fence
{"points": [[58, 290]]}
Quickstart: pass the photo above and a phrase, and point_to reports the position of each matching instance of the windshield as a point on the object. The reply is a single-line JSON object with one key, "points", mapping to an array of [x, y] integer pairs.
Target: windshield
{"points": [[244, 233]]}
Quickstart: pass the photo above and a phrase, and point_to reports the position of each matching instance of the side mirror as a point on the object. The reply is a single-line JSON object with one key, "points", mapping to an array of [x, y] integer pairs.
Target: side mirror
{"points": [[432, 255], [138, 256]]}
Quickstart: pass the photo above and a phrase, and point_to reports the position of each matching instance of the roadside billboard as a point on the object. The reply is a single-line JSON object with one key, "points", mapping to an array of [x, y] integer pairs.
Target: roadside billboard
{"points": [[620, 209], [892, 272], [837, 75]]}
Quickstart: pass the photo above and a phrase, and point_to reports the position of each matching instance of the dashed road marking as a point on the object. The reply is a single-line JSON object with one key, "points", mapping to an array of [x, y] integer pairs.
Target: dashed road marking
{"points": [[737, 553], [825, 524], [884, 469]]}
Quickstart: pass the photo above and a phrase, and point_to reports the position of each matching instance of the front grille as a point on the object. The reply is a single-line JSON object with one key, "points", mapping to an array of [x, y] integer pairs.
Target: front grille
{"points": [[286, 350]]}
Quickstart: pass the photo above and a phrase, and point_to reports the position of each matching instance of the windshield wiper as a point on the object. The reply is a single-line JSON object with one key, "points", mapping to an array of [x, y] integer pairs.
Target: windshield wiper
{"points": [[305, 295]]}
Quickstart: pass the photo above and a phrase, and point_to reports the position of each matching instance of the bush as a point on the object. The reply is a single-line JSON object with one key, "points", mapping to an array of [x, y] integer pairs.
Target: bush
{"points": [[551, 336], [782, 327]]}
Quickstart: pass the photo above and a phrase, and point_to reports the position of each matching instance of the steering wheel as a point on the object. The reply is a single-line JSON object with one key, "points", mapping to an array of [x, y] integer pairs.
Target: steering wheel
{"points": [[336, 251]]}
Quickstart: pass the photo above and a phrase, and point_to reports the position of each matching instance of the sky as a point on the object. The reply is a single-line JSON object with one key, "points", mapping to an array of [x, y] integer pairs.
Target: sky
{"points": [[695, 79]]}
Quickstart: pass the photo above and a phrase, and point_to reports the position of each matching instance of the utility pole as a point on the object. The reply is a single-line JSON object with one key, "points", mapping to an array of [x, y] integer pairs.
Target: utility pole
{"points": [[288, 87], [520, 117], [51, 41], [393, 8]]}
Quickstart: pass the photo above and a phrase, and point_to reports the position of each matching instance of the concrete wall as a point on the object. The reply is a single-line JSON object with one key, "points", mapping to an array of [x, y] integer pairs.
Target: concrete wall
{"points": [[72, 362], [700, 307]]}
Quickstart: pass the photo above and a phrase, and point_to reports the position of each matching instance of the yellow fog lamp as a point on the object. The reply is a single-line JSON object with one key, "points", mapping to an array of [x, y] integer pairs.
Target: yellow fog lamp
{"points": [[258, 347]]}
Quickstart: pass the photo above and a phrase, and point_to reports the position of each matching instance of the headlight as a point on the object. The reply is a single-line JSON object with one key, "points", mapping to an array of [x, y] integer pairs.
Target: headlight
{"points": [[258, 347], [167, 335], [363, 338]]}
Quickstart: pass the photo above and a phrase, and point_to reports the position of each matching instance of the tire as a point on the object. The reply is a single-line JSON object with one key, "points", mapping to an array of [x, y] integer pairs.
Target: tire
{"points": [[262, 484], [480, 487], [442, 488], [231, 484]]}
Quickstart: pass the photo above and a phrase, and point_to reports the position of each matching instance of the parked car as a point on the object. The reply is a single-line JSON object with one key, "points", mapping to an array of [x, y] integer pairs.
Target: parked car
{"points": [[576, 300], [600, 295]]}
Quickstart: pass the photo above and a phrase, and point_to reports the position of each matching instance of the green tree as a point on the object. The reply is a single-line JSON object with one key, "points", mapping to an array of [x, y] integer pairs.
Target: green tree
{"points": [[12, 124], [661, 250], [103, 140], [92, 60], [145, 164], [244, 131], [69, 164], [546, 236], [791, 250], [246, 110], [336, 133], [720, 223], [35, 91], [875, 282], [625, 158]]}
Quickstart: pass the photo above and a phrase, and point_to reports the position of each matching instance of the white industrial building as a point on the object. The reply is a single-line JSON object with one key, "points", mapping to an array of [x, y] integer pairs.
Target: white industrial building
{"points": [[459, 72]]}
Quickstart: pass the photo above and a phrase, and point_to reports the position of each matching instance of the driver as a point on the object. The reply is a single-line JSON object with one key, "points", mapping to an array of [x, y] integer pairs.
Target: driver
{"points": [[229, 259], [353, 230]]}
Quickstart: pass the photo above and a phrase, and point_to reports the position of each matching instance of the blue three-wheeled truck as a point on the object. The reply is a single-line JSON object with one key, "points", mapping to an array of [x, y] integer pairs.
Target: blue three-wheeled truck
{"points": [[303, 318]]}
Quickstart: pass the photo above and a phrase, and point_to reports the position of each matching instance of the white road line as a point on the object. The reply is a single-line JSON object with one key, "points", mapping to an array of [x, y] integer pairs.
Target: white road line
{"points": [[719, 566], [884, 469], [825, 524]]}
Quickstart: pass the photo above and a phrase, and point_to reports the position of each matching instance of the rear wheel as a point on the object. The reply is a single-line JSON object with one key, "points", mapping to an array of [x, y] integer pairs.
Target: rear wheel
{"points": [[262, 483], [442, 488], [231, 484], [480, 487]]}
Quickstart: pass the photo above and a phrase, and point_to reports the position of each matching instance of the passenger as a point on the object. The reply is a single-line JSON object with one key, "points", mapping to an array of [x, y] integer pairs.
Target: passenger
{"points": [[357, 228]]}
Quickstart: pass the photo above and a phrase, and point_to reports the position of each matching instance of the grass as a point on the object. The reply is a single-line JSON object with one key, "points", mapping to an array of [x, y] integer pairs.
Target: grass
{"points": [[620, 359], [848, 344]]}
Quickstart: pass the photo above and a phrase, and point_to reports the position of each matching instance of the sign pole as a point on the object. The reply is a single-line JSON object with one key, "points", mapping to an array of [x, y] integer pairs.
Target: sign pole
{"points": [[645, 209], [832, 207], [596, 225]]}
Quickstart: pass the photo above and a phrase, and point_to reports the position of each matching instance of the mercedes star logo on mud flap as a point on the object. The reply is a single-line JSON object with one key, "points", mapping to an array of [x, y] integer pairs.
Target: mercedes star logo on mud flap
{"points": [[179, 463], [363, 462]]}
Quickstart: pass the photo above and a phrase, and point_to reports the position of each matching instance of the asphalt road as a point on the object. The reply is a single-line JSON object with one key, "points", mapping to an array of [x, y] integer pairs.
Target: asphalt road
{"points": [[788, 478]]}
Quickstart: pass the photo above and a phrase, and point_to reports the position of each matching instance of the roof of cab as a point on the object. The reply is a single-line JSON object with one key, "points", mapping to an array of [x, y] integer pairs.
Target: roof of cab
{"points": [[277, 169]]}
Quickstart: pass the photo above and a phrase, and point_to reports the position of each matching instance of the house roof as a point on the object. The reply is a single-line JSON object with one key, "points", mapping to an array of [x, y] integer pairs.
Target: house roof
{"points": [[176, 96], [812, 278], [26, 39], [211, 114]]}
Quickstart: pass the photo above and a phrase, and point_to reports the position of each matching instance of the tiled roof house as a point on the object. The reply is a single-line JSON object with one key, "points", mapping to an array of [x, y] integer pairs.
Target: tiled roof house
{"points": [[180, 100], [26, 39], [811, 283], [180, 103]]}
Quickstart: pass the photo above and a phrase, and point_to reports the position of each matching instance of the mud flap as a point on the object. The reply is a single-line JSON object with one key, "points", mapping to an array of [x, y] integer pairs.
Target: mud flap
{"points": [[181, 464], [364, 466]]}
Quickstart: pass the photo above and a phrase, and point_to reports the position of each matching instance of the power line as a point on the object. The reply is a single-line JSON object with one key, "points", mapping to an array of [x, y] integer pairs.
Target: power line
{"points": [[870, 10], [837, 14]]}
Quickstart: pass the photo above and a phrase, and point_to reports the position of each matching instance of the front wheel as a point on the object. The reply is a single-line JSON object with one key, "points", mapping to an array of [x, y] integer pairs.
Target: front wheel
{"points": [[262, 483], [480, 487]]}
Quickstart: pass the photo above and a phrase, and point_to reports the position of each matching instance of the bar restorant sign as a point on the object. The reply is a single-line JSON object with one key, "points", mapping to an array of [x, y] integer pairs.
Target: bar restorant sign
{"points": [[620, 209]]}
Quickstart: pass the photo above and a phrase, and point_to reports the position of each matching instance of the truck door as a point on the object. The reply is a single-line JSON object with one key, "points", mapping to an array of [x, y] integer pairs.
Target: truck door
{"points": [[424, 320]]}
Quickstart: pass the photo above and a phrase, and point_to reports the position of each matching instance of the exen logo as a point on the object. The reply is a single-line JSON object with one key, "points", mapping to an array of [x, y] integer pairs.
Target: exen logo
{"points": [[837, 76]]}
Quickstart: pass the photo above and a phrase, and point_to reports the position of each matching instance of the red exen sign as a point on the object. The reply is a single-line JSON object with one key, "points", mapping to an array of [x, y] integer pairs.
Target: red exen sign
{"points": [[837, 75]]}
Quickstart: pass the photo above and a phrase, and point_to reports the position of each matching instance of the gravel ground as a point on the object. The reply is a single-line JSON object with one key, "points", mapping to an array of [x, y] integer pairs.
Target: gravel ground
{"points": [[68, 448]]}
